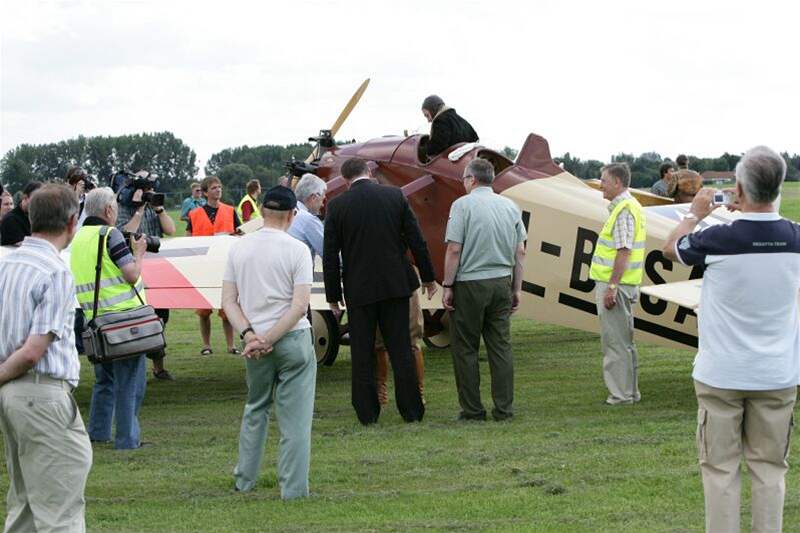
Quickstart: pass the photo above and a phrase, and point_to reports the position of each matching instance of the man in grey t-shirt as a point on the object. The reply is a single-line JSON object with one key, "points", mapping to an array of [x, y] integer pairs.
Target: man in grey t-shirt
{"points": [[482, 286]]}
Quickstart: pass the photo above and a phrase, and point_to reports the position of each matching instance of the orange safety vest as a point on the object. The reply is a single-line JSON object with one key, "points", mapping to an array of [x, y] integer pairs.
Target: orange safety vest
{"points": [[202, 226]]}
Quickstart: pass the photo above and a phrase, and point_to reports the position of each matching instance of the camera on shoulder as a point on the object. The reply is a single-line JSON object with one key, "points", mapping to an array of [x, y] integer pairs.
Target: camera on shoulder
{"points": [[144, 181]]}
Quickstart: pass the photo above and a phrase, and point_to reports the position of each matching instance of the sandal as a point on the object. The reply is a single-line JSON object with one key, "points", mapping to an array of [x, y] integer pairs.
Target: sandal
{"points": [[234, 351], [206, 351]]}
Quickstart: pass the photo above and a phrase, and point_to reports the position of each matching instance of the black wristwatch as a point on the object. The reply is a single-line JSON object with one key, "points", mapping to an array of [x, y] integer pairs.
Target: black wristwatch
{"points": [[447, 286], [247, 330], [157, 210]]}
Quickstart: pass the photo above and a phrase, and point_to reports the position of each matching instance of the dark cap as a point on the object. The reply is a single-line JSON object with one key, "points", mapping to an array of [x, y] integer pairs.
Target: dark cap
{"points": [[280, 198]]}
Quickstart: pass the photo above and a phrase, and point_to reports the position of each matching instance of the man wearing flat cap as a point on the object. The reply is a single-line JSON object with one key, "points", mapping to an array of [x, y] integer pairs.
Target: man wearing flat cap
{"points": [[447, 127], [265, 293]]}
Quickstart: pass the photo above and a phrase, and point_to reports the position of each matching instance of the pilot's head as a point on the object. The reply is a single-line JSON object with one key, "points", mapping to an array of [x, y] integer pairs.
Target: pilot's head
{"points": [[614, 179], [431, 105]]}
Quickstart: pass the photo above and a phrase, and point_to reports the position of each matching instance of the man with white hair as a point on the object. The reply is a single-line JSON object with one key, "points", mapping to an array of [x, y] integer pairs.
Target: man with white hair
{"points": [[119, 386], [307, 227], [748, 360]]}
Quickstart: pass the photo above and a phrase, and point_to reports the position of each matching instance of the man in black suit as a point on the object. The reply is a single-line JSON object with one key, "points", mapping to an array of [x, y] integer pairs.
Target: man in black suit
{"points": [[373, 227]]}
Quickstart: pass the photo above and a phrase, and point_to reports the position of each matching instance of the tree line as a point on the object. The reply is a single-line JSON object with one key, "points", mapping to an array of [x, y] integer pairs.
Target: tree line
{"points": [[175, 162]]}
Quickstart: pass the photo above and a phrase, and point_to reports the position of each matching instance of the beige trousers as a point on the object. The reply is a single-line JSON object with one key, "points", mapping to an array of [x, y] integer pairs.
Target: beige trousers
{"points": [[620, 358], [48, 455], [757, 424], [416, 322]]}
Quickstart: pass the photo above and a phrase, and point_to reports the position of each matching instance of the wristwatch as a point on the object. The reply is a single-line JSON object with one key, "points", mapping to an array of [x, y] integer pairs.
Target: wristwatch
{"points": [[689, 216], [157, 210], [246, 330], [612, 286]]}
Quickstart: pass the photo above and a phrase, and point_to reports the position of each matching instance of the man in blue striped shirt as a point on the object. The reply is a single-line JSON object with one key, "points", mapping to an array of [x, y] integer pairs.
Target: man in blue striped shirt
{"points": [[48, 453]]}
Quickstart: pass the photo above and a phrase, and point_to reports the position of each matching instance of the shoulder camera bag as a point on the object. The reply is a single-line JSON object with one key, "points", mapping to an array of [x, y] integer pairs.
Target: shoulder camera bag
{"points": [[121, 334]]}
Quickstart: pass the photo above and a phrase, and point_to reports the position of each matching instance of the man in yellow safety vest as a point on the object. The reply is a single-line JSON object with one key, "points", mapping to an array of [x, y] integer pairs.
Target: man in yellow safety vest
{"points": [[119, 386], [248, 206], [617, 267]]}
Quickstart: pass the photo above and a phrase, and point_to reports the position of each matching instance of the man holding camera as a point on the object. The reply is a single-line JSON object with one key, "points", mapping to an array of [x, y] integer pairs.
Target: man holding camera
{"points": [[142, 211], [119, 386], [748, 359]]}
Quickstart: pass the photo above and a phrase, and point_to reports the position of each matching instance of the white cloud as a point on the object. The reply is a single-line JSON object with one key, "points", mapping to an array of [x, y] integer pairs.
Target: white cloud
{"points": [[594, 78]]}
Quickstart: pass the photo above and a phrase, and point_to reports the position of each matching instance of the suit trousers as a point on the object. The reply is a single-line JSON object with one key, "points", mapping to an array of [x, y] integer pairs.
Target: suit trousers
{"points": [[391, 316], [757, 424], [48, 456], [483, 308], [286, 378], [620, 357]]}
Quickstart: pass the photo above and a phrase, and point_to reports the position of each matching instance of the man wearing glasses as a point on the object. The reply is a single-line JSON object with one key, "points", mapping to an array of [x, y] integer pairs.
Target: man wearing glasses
{"points": [[482, 286], [194, 201]]}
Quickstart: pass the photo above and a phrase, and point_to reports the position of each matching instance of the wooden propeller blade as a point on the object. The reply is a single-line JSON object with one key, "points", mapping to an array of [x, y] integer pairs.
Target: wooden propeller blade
{"points": [[343, 115]]}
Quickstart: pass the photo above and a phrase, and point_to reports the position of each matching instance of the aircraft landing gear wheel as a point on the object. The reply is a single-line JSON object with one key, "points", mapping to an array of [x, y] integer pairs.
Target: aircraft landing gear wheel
{"points": [[440, 322], [326, 336]]}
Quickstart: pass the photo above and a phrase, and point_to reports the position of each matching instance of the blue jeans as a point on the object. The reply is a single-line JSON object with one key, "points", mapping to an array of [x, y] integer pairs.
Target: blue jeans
{"points": [[117, 394]]}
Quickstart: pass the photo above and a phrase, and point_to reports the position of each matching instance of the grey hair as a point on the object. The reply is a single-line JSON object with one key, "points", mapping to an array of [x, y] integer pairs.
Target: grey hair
{"points": [[310, 184], [482, 170], [761, 172], [51, 207], [96, 200], [620, 171]]}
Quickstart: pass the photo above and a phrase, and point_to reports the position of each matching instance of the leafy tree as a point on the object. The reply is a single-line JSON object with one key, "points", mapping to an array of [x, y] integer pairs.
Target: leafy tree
{"points": [[102, 157], [267, 162], [234, 178]]}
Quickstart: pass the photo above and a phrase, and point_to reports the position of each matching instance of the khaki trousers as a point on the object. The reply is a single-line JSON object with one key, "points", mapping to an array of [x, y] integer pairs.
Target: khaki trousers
{"points": [[48, 455], [620, 358], [758, 424]]}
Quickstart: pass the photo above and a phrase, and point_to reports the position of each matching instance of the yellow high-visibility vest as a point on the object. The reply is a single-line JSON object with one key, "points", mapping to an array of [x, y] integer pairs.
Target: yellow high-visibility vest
{"points": [[605, 252], [116, 294], [256, 211]]}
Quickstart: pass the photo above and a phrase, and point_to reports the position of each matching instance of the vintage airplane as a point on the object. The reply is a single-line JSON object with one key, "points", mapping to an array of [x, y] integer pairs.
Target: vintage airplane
{"points": [[562, 214]]}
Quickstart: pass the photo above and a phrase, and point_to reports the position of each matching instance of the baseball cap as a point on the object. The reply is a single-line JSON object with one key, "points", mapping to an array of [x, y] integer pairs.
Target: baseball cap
{"points": [[280, 198]]}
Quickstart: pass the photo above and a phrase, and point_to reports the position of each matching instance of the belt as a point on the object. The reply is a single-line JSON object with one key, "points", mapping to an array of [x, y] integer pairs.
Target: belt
{"points": [[41, 379]]}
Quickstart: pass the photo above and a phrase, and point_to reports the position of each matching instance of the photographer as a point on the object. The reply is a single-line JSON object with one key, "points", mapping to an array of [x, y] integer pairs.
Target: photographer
{"points": [[748, 360], [142, 211], [79, 181], [119, 386]]}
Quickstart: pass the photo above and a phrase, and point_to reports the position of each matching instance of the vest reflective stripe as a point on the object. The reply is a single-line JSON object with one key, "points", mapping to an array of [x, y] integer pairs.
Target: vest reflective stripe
{"points": [[239, 210], [605, 251], [611, 244], [115, 293], [202, 226], [114, 300]]}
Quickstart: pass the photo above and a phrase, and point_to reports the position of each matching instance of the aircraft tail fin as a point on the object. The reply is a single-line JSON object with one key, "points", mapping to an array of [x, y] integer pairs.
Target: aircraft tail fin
{"points": [[535, 155]]}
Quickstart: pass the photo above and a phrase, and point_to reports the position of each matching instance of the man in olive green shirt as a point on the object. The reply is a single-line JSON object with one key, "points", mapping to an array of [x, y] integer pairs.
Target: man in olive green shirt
{"points": [[482, 287]]}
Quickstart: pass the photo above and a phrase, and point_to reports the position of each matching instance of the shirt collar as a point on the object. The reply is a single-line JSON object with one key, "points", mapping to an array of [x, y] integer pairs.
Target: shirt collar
{"points": [[302, 207], [482, 189], [359, 179], [761, 217], [624, 195], [40, 244]]}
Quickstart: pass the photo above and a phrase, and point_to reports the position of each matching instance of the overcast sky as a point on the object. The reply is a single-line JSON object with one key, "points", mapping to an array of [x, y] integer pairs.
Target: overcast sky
{"points": [[594, 78]]}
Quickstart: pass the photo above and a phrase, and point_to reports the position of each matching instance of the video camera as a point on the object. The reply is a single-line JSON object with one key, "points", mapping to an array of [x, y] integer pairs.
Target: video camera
{"points": [[153, 243], [144, 181]]}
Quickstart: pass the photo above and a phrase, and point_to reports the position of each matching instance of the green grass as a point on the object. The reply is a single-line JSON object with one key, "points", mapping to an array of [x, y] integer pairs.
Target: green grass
{"points": [[564, 463]]}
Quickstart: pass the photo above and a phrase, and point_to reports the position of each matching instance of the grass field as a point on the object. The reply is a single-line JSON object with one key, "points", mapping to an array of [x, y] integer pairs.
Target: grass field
{"points": [[564, 463]]}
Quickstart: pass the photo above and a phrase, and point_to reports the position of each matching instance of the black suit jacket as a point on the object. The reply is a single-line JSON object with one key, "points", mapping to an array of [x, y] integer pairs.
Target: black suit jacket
{"points": [[373, 227], [14, 227]]}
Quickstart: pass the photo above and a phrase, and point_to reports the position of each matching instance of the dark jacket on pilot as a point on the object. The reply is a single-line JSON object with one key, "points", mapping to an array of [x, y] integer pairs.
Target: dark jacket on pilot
{"points": [[448, 129]]}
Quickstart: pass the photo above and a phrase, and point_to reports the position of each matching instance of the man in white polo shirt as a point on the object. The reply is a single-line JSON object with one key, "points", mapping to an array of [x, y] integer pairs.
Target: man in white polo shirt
{"points": [[748, 363], [265, 293]]}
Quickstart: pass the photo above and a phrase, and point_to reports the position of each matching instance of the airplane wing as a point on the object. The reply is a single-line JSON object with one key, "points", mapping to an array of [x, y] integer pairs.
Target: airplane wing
{"points": [[683, 293], [187, 274]]}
